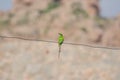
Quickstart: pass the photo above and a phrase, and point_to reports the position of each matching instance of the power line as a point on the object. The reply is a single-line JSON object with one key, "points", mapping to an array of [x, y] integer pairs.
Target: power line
{"points": [[77, 44]]}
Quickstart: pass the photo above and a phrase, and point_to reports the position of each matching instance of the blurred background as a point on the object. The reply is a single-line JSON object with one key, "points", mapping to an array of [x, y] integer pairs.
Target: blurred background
{"points": [[95, 22]]}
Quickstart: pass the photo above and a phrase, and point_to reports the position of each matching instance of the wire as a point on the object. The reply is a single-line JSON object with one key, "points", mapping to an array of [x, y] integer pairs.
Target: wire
{"points": [[86, 45]]}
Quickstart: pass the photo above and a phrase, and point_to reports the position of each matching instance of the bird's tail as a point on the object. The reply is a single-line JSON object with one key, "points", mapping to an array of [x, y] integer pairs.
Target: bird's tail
{"points": [[59, 51]]}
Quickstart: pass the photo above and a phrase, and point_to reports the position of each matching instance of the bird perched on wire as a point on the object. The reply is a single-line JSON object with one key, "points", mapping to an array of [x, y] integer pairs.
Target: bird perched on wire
{"points": [[60, 42]]}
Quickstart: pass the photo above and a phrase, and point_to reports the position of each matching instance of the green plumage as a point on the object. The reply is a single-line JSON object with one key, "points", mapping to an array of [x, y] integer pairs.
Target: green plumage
{"points": [[60, 41]]}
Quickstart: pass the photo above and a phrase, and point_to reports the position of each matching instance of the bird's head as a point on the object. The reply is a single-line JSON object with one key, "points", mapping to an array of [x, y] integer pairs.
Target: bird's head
{"points": [[60, 34]]}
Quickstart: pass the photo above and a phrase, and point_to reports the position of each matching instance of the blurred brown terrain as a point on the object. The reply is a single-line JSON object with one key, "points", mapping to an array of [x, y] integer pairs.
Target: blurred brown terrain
{"points": [[79, 21]]}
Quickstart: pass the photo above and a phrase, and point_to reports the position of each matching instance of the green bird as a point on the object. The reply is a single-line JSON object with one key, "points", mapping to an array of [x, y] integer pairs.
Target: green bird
{"points": [[60, 42]]}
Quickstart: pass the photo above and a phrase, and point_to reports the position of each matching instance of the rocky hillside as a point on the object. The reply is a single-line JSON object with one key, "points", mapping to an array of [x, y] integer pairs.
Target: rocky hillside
{"points": [[78, 20]]}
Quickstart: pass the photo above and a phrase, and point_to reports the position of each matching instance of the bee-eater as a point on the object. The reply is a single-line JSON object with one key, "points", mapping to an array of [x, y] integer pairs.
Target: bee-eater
{"points": [[60, 42]]}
